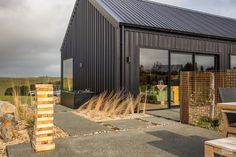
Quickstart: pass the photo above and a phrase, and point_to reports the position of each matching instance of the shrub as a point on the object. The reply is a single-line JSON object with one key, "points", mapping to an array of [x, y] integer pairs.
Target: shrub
{"points": [[208, 123], [111, 104]]}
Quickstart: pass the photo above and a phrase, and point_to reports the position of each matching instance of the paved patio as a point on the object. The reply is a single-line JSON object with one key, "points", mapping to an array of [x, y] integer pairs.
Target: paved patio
{"points": [[167, 139], [75, 125], [171, 114]]}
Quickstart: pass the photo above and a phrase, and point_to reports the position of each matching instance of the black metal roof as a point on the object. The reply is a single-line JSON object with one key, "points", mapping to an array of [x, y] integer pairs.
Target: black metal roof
{"points": [[147, 14]]}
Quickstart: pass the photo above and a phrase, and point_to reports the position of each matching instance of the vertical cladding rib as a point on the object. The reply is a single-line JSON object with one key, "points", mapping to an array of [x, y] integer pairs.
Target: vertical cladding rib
{"points": [[89, 43]]}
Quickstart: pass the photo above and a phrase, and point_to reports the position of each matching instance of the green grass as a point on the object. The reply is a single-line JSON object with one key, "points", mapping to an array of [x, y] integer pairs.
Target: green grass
{"points": [[24, 99], [6, 83], [208, 123]]}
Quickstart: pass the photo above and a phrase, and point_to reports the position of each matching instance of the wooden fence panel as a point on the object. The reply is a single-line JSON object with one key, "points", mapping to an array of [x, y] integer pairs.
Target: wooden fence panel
{"points": [[202, 89]]}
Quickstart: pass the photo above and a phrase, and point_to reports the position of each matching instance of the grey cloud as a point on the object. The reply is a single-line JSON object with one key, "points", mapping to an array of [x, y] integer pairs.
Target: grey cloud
{"points": [[31, 32], [8, 4], [31, 36]]}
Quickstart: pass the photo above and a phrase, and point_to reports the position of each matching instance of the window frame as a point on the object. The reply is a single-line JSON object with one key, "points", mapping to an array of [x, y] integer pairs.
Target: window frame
{"points": [[216, 60], [63, 74], [230, 60]]}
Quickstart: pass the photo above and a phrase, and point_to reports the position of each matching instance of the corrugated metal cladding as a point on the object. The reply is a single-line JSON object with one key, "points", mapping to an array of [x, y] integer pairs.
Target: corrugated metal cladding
{"points": [[152, 14], [136, 39], [91, 41], [100, 40]]}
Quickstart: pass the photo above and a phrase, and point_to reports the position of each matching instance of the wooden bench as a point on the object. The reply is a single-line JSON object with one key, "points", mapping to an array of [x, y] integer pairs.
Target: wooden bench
{"points": [[225, 147], [229, 117]]}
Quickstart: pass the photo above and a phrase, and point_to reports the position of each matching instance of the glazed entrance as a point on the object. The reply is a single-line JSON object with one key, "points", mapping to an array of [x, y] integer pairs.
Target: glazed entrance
{"points": [[153, 74], [159, 75]]}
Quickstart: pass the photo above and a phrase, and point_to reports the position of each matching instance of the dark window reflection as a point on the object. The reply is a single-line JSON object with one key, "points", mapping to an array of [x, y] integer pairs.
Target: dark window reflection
{"points": [[68, 75], [233, 62], [205, 63], [179, 62], [154, 77]]}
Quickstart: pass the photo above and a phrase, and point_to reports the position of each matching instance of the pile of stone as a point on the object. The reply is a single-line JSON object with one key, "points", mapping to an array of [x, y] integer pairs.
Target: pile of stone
{"points": [[8, 121]]}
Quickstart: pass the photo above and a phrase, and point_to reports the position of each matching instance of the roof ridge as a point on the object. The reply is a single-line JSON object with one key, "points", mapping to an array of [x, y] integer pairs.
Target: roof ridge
{"points": [[187, 9]]}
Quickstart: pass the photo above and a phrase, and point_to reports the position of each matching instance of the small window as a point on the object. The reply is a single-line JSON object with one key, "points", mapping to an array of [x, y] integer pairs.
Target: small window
{"points": [[205, 62], [233, 61], [68, 75]]}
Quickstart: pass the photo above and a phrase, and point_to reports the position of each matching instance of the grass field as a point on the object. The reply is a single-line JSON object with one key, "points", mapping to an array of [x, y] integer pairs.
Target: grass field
{"points": [[10, 82], [6, 83], [24, 99]]}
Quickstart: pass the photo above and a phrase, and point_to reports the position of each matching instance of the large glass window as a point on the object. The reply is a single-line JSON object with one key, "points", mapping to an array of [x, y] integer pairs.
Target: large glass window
{"points": [[205, 62], [154, 69], [68, 75], [233, 61], [179, 62], [160, 81]]}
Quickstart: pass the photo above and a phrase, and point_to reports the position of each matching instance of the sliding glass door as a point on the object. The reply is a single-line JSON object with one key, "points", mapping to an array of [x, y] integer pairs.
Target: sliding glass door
{"points": [[159, 74], [154, 71], [179, 62]]}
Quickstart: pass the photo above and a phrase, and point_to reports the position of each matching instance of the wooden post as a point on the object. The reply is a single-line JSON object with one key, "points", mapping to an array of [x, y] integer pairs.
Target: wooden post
{"points": [[43, 129], [212, 95], [209, 151]]}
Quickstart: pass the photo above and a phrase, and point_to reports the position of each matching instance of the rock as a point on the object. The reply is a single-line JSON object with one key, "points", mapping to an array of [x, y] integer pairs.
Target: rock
{"points": [[7, 127], [6, 107]]}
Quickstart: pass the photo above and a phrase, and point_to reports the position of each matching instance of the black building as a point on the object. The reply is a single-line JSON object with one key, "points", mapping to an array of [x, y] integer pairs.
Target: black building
{"points": [[141, 46]]}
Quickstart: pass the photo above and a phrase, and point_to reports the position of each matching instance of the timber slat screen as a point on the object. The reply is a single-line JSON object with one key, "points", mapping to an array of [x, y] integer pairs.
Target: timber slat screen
{"points": [[202, 87], [43, 129]]}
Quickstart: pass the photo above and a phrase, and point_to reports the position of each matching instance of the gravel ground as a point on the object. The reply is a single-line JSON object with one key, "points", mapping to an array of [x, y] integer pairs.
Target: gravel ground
{"points": [[24, 136], [104, 119]]}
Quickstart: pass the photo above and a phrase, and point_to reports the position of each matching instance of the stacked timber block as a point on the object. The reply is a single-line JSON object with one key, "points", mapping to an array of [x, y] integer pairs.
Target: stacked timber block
{"points": [[43, 129]]}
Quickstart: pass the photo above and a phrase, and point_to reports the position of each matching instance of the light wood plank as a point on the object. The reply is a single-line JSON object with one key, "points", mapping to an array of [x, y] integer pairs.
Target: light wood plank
{"points": [[45, 112], [45, 93], [209, 151], [43, 147], [43, 85], [45, 99], [225, 143], [45, 106], [41, 139], [45, 119], [227, 106], [44, 132], [40, 126]]}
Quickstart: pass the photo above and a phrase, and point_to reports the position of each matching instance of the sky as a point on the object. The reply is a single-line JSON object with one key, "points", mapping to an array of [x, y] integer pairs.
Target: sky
{"points": [[32, 31]]}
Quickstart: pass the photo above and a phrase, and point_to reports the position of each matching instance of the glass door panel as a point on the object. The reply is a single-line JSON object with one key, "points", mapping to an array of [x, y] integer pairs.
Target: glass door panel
{"points": [[179, 62], [153, 73]]}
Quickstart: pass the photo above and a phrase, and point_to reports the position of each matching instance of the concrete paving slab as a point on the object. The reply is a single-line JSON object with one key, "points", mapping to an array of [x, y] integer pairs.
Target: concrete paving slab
{"points": [[75, 125], [63, 149], [168, 141], [168, 114], [60, 108], [128, 124], [159, 121]]}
